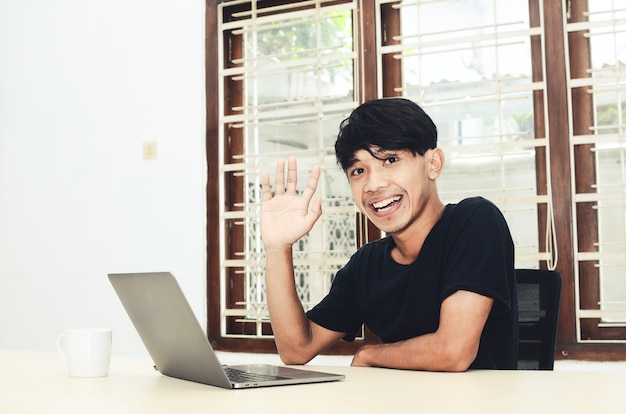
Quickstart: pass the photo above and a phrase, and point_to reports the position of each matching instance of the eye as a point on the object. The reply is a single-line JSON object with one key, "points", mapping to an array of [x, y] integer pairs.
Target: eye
{"points": [[356, 171], [391, 160]]}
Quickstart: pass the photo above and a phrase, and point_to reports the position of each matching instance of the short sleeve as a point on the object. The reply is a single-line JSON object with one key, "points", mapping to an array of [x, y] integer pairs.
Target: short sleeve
{"points": [[338, 311], [480, 254]]}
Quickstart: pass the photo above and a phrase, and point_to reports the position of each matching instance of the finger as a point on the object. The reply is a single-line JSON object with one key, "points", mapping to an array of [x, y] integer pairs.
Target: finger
{"points": [[279, 181], [316, 210], [311, 185], [292, 176], [266, 189]]}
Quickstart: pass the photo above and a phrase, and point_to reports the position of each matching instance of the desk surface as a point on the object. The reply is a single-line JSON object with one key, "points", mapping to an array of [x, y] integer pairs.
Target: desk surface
{"points": [[38, 382]]}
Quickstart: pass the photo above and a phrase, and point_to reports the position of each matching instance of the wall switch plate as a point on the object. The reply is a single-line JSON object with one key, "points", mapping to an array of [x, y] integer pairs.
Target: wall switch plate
{"points": [[150, 150]]}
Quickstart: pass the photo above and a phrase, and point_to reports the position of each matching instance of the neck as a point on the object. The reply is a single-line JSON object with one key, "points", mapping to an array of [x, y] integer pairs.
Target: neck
{"points": [[409, 242]]}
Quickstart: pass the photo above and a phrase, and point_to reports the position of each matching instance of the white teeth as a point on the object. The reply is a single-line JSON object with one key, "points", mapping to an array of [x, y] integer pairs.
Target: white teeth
{"points": [[384, 203]]}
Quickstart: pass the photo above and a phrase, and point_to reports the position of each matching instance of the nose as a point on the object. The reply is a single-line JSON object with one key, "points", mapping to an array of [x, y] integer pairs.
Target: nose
{"points": [[376, 179]]}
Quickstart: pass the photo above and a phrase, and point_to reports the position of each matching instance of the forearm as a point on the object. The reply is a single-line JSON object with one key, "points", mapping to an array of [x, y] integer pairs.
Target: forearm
{"points": [[285, 218], [425, 353], [290, 325], [453, 347]]}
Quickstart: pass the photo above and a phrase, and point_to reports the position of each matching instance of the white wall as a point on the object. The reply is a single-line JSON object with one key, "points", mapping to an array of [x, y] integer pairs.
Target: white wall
{"points": [[82, 85]]}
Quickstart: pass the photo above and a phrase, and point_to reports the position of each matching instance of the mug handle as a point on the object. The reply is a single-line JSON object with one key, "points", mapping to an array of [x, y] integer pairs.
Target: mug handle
{"points": [[61, 347]]}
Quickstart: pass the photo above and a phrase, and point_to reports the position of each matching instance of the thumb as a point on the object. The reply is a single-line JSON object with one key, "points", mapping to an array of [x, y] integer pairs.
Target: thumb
{"points": [[316, 211]]}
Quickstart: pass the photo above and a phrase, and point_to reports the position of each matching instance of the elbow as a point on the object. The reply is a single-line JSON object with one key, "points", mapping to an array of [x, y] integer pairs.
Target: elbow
{"points": [[293, 357], [459, 365], [293, 361], [457, 358]]}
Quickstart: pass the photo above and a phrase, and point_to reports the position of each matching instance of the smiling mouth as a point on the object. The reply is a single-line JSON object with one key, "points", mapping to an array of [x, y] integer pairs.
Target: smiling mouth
{"points": [[386, 204]]}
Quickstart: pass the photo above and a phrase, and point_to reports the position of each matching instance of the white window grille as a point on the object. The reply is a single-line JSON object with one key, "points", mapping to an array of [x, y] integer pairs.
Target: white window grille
{"points": [[469, 65], [298, 77], [472, 73], [471, 70], [605, 81]]}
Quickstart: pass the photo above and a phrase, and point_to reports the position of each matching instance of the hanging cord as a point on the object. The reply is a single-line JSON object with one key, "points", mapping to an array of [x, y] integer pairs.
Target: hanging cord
{"points": [[552, 247], [551, 239]]}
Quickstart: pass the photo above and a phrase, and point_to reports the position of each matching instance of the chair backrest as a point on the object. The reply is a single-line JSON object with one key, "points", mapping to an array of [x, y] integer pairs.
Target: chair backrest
{"points": [[538, 299]]}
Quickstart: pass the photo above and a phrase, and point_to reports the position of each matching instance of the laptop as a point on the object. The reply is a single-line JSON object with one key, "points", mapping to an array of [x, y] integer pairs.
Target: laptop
{"points": [[178, 345]]}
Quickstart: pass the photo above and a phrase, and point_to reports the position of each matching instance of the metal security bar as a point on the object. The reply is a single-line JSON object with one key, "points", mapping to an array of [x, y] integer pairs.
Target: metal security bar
{"points": [[294, 81], [471, 70], [600, 269]]}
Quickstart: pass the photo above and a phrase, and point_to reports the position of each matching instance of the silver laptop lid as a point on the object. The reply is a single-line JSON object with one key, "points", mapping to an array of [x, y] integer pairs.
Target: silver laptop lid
{"points": [[177, 343], [168, 327]]}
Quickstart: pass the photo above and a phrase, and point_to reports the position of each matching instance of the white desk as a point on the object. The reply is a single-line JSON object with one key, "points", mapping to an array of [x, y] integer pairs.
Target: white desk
{"points": [[38, 382]]}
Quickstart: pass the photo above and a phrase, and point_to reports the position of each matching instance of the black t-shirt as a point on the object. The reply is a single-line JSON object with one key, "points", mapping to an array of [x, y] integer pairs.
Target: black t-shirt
{"points": [[469, 248]]}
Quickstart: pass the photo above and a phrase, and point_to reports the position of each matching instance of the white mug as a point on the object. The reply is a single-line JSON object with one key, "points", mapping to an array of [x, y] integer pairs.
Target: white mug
{"points": [[86, 352]]}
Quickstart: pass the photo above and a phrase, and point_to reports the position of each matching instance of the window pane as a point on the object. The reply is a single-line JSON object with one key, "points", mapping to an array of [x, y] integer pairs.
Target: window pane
{"points": [[471, 71], [293, 83], [602, 308]]}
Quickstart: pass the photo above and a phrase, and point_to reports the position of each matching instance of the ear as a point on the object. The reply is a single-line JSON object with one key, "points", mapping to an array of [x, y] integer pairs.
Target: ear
{"points": [[436, 160]]}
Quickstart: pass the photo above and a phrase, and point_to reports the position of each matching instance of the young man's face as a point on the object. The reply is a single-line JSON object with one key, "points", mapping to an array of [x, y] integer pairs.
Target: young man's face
{"points": [[393, 188]]}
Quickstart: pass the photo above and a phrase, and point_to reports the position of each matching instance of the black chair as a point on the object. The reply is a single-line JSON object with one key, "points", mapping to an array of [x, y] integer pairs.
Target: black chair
{"points": [[538, 299]]}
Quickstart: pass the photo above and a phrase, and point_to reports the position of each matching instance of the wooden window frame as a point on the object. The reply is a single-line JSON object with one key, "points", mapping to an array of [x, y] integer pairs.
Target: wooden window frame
{"points": [[562, 194], [366, 13]]}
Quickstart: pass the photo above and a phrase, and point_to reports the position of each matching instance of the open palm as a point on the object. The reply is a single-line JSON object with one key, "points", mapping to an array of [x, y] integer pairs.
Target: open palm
{"points": [[286, 216]]}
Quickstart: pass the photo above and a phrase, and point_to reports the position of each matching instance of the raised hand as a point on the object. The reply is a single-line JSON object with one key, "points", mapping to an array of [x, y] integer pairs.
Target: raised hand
{"points": [[286, 217]]}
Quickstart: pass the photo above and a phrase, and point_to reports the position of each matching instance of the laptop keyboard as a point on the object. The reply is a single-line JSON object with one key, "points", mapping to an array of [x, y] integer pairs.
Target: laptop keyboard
{"points": [[236, 375]]}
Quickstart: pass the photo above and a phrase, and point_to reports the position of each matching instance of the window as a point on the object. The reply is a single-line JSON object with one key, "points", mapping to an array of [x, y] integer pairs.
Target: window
{"points": [[596, 83], [472, 73], [283, 90], [281, 75]]}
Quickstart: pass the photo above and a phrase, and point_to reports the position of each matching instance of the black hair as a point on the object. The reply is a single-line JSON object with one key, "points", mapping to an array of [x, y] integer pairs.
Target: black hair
{"points": [[389, 124]]}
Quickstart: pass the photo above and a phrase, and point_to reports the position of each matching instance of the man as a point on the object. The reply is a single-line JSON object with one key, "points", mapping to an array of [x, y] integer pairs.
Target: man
{"points": [[439, 290]]}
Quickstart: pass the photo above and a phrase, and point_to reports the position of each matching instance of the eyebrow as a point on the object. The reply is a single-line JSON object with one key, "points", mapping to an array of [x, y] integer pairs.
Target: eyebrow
{"points": [[377, 152]]}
